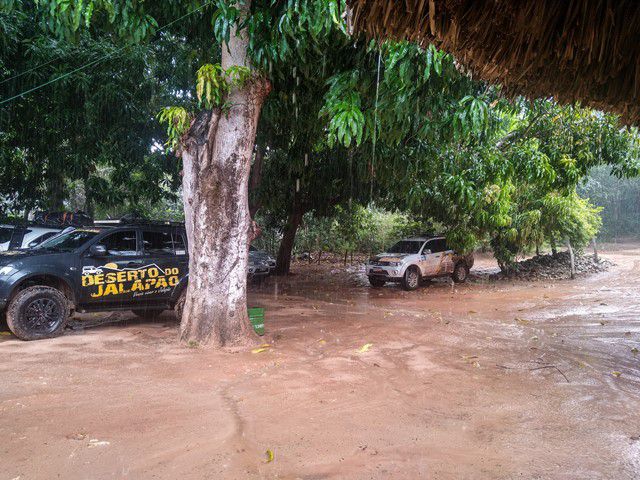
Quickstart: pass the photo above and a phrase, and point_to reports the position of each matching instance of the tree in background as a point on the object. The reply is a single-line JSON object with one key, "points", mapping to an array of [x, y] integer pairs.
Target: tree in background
{"points": [[619, 199], [92, 129]]}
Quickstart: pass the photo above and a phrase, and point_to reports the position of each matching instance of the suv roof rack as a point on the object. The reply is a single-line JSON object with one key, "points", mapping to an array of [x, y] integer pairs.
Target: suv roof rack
{"points": [[61, 219], [167, 223], [138, 221]]}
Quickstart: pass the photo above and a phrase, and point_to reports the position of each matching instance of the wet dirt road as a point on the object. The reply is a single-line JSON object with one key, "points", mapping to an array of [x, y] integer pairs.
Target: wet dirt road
{"points": [[484, 380]]}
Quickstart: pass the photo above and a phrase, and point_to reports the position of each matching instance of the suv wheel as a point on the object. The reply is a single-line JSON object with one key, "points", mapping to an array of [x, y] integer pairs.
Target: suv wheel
{"points": [[38, 312], [147, 313], [377, 282], [460, 273], [411, 279]]}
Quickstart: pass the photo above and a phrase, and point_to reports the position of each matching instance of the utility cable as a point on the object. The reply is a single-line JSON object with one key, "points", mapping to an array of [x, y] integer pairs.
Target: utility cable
{"points": [[94, 62]]}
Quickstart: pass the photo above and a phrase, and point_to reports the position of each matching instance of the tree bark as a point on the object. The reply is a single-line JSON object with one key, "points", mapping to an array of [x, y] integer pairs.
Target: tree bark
{"points": [[283, 262], [554, 250], [255, 179], [88, 198], [55, 188], [216, 154], [572, 260], [596, 257]]}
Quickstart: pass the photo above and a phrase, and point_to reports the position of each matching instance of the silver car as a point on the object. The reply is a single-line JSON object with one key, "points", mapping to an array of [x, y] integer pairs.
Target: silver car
{"points": [[262, 256], [413, 259]]}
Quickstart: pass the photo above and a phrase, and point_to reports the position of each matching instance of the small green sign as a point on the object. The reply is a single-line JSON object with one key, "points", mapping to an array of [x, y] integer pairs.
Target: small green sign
{"points": [[256, 316]]}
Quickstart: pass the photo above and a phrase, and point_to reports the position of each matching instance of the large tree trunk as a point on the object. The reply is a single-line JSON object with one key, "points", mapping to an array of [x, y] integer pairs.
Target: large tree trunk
{"points": [[554, 250], [55, 189], [255, 179], [283, 262], [216, 155]]}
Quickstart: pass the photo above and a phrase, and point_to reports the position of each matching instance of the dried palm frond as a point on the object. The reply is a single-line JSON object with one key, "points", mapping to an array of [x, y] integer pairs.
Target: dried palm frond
{"points": [[572, 50]]}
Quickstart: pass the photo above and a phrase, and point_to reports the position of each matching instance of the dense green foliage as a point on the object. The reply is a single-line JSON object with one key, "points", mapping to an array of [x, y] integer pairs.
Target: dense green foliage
{"points": [[89, 122]]}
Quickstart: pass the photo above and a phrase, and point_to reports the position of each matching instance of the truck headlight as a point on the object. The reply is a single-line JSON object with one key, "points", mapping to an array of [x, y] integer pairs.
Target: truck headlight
{"points": [[7, 270], [395, 264]]}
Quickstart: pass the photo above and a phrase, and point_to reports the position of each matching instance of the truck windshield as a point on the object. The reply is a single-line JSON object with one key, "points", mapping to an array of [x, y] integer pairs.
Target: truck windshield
{"points": [[68, 242], [406, 246]]}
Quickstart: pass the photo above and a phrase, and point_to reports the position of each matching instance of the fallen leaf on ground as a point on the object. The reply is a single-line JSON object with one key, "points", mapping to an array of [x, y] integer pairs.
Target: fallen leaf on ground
{"points": [[260, 350], [365, 347], [94, 442], [634, 350], [522, 321], [322, 341], [471, 360], [616, 374], [269, 455], [5, 333]]}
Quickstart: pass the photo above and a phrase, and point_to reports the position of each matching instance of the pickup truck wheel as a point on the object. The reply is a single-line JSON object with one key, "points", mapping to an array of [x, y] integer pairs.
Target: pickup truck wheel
{"points": [[147, 313], [38, 312], [411, 279], [377, 282], [460, 273]]}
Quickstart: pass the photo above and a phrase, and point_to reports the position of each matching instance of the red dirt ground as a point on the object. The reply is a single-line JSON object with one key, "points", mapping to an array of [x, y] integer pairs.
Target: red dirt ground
{"points": [[477, 381]]}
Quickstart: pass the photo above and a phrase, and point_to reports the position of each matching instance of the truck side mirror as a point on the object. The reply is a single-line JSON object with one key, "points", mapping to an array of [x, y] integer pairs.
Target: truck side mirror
{"points": [[98, 250], [426, 252]]}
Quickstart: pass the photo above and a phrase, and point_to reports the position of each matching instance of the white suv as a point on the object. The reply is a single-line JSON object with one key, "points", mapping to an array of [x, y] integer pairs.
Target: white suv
{"points": [[413, 259], [12, 236]]}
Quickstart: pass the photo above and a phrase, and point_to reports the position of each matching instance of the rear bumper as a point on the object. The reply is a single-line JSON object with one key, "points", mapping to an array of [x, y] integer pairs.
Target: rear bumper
{"points": [[258, 271]]}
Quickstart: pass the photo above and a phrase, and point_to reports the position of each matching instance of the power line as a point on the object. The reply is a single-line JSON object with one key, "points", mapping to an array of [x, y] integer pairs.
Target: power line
{"points": [[31, 69], [94, 62]]}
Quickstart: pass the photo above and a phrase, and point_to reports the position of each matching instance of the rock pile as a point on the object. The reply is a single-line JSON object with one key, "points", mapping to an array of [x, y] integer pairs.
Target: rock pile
{"points": [[544, 267]]}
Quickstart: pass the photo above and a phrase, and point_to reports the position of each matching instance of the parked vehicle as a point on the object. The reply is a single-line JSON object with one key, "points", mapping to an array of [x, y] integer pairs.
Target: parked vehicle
{"points": [[414, 259], [141, 267], [261, 255], [43, 226], [28, 236]]}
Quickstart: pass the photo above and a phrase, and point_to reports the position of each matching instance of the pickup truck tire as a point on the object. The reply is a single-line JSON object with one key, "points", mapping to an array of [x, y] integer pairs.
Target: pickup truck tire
{"points": [[460, 272], [377, 282], [411, 278], [38, 312], [147, 313]]}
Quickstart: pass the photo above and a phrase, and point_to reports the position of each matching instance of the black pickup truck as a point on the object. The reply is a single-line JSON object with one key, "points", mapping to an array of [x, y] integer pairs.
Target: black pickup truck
{"points": [[138, 267]]}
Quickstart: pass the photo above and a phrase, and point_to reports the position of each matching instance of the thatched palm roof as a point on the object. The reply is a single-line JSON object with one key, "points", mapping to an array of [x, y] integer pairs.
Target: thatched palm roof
{"points": [[587, 50]]}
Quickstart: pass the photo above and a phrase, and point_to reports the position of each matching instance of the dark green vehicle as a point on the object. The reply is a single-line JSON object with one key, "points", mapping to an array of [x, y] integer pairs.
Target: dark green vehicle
{"points": [[142, 267]]}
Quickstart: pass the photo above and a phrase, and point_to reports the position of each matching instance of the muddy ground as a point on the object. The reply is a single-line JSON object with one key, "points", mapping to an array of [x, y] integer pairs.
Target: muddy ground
{"points": [[487, 380]]}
